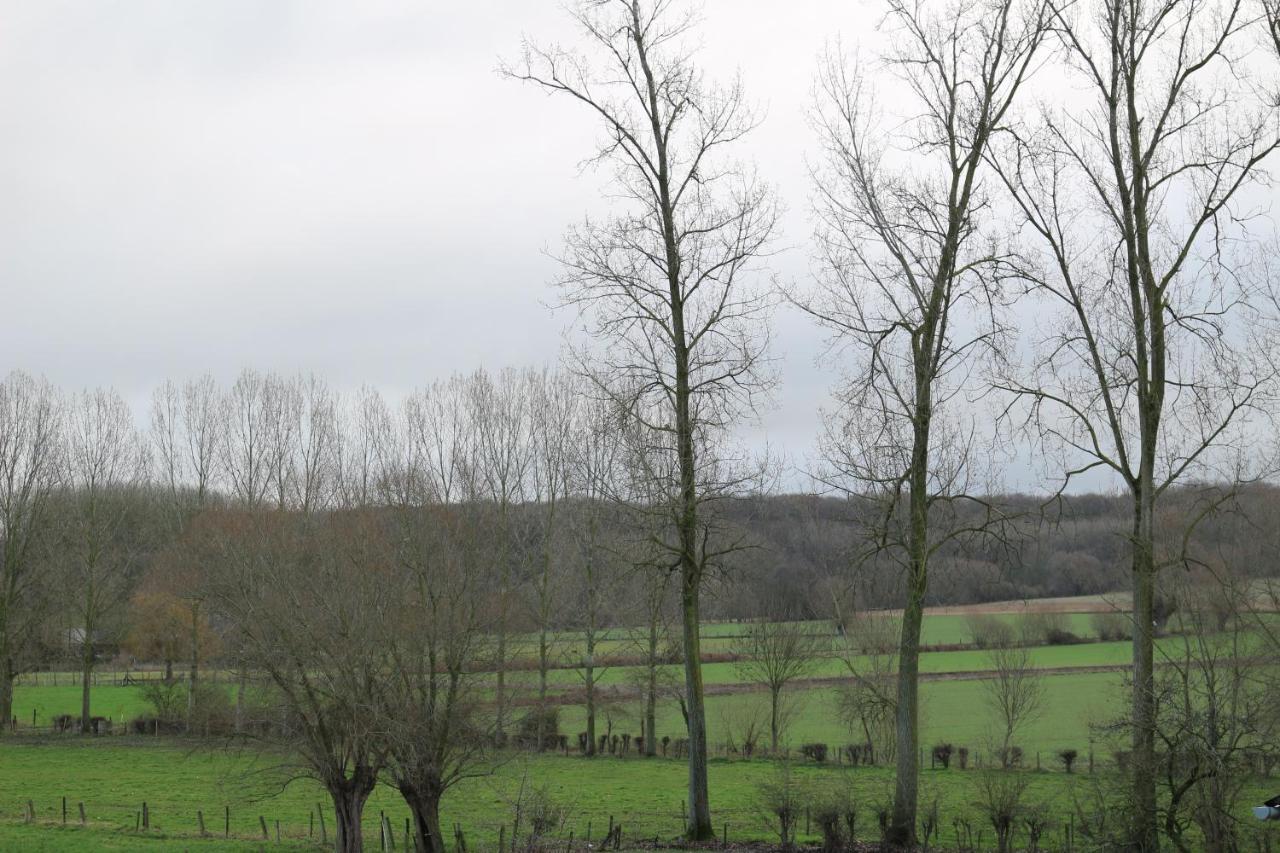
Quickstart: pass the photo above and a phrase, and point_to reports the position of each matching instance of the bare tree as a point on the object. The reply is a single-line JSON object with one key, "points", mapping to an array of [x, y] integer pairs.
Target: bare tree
{"points": [[1015, 693], [594, 472], [911, 276], [431, 717], [552, 415], [244, 434], [1215, 711], [30, 470], [868, 703], [106, 466], [317, 599], [773, 654], [499, 416], [1155, 356], [185, 436], [664, 283]]}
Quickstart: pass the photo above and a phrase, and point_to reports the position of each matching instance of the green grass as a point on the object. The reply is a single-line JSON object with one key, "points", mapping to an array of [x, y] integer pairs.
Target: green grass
{"points": [[952, 711], [112, 777]]}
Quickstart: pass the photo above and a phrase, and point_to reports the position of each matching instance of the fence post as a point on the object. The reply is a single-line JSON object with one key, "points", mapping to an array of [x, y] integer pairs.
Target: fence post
{"points": [[64, 811], [226, 821], [82, 817], [262, 821], [146, 816], [324, 836]]}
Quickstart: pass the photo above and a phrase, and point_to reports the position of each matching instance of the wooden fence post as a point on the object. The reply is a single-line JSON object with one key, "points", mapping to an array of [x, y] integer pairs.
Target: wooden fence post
{"points": [[82, 817], [226, 821], [64, 811], [324, 836], [262, 821]]}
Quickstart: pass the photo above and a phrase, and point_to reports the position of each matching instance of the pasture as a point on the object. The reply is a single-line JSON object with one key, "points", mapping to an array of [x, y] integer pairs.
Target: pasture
{"points": [[239, 789]]}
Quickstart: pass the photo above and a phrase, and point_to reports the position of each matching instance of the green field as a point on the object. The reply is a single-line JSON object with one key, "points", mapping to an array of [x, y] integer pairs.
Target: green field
{"points": [[113, 776]]}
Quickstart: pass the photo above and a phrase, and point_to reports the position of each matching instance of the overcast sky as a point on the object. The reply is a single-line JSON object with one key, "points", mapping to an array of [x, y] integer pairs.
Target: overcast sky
{"points": [[332, 186]]}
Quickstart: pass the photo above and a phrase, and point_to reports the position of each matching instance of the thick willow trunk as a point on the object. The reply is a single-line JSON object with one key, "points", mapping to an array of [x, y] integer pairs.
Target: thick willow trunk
{"points": [[424, 805], [348, 809]]}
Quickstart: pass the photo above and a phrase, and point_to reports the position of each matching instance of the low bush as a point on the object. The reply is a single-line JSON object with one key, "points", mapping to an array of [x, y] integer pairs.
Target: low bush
{"points": [[1112, 627], [990, 632]]}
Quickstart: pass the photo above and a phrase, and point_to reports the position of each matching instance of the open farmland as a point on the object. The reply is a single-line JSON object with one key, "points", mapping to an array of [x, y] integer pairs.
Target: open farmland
{"points": [[114, 775]]}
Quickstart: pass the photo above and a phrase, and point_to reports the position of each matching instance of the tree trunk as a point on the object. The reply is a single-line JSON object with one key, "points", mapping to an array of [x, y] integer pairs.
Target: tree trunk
{"points": [[590, 680], [500, 696], [425, 808], [906, 784], [6, 693], [544, 656], [902, 826], [1144, 835], [86, 682], [774, 696], [348, 808], [242, 678], [651, 695], [195, 662], [699, 828]]}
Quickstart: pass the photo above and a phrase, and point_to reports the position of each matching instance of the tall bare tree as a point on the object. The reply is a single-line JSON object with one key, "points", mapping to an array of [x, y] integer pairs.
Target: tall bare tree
{"points": [[106, 466], [774, 653], [30, 470], [664, 283], [185, 438], [431, 717], [1015, 692], [593, 533], [553, 427], [501, 457], [1155, 358], [910, 286]]}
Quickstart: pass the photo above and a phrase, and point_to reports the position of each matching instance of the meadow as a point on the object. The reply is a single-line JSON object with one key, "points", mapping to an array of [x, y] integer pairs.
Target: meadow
{"points": [[240, 788]]}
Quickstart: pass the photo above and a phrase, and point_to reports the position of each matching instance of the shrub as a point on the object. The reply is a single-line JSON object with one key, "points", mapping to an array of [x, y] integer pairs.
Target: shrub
{"points": [[212, 712], [1010, 757], [942, 754], [168, 699], [539, 724], [836, 814], [1049, 629], [1001, 803], [990, 632], [860, 753], [929, 825], [782, 799], [815, 751], [963, 754], [545, 815], [1112, 627], [148, 724], [1068, 758]]}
